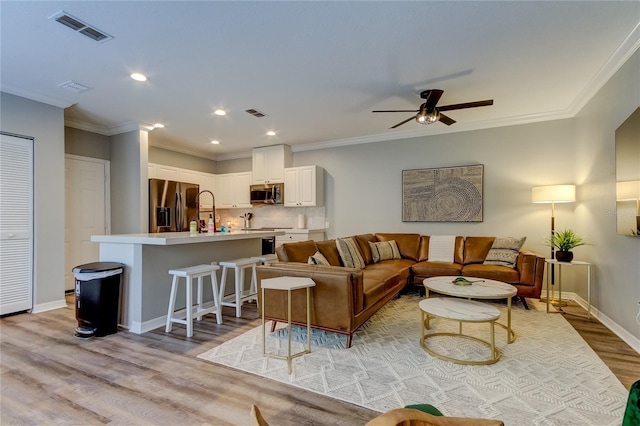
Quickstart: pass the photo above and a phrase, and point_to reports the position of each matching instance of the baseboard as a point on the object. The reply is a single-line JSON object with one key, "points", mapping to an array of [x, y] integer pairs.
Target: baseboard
{"points": [[49, 306], [627, 337], [152, 324]]}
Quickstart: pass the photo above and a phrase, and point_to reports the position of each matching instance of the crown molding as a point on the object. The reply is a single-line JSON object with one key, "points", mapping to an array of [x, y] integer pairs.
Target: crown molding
{"points": [[38, 97], [108, 131], [613, 63]]}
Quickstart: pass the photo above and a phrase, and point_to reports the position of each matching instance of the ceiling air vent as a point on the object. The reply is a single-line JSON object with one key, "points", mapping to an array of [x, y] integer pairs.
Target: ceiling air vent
{"points": [[255, 112], [83, 28], [73, 86]]}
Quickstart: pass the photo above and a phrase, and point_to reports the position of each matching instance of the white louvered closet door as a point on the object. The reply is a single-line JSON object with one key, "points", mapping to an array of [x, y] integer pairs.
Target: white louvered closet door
{"points": [[16, 224]]}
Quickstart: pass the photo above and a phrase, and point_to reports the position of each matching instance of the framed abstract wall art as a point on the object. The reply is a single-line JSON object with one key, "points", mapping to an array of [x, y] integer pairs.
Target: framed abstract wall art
{"points": [[446, 194]]}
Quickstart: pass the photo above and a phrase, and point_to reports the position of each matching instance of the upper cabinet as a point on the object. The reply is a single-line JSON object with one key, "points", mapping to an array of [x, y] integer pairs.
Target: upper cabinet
{"points": [[166, 172], [188, 176], [304, 186], [232, 190], [269, 163]]}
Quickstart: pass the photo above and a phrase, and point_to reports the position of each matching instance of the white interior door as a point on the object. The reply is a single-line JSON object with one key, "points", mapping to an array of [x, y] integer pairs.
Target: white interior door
{"points": [[16, 224], [86, 203]]}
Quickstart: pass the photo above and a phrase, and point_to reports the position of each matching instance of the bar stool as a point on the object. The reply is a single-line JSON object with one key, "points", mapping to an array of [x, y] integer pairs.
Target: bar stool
{"points": [[240, 295], [189, 273], [266, 259]]}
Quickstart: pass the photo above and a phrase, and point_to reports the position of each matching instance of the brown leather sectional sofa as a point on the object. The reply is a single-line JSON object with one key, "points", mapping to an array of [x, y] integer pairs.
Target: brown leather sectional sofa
{"points": [[344, 298]]}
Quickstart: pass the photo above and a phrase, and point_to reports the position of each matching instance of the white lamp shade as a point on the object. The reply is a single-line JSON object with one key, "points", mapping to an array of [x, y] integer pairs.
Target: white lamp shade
{"points": [[627, 191], [553, 194]]}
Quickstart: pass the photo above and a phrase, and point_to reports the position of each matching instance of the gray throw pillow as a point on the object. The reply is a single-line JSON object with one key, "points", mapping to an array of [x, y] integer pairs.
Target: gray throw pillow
{"points": [[318, 259], [349, 253], [384, 250], [504, 251]]}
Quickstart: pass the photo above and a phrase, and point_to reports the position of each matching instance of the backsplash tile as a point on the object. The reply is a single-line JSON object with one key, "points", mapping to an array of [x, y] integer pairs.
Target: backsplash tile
{"points": [[274, 216]]}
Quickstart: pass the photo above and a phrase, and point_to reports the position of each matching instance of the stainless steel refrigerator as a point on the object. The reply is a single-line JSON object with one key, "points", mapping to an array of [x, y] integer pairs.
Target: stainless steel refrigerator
{"points": [[172, 205]]}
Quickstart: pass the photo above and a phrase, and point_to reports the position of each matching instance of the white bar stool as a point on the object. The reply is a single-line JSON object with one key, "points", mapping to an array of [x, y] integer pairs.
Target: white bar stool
{"points": [[266, 259], [189, 273], [240, 295]]}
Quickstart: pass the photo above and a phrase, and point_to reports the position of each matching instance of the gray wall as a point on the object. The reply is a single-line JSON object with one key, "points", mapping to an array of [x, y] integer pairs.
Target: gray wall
{"points": [[86, 144], [129, 187], [45, 123], [616, 257], [177, 159]]}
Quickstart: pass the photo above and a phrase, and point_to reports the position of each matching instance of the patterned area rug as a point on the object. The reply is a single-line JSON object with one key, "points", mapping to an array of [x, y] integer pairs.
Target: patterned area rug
{"points": [[548, 376]]}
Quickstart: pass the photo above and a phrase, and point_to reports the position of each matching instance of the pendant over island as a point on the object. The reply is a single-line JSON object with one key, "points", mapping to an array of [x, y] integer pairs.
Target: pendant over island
{"points": [[147, 258]]}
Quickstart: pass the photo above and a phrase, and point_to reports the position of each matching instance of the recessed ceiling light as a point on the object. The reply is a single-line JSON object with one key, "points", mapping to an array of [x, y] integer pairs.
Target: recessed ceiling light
{"points": [[138, 77], [220, 112], [271, 133], [159, 126], [215, 142]]}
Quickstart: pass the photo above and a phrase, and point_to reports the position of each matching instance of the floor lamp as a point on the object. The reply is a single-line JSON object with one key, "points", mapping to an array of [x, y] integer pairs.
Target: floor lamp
{"points": [[552, 194]]}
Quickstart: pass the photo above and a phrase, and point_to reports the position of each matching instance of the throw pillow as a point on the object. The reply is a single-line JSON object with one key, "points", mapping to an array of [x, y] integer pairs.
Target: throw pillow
{"points": [[441, 248], [504, 251], [351, 257], [384, 250], [318, 259]]}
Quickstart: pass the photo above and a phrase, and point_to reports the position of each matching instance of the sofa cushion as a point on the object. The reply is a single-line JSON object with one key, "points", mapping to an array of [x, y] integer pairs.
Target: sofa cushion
{"points": [[384, 250], [374, 289], [476, 249], [433, 269], [349, 253], [504, 251], [318, 259], [329, 251], [408, 244], [363, 241], [299, 251], [492, 272]]}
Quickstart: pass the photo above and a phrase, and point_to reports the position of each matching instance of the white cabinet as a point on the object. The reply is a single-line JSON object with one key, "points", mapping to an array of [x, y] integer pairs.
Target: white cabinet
{"points": [[207, 182], [232, 190], [292, 235], [304, 186], [167, 172], [269, 163], [188, 176], [152, 171]]}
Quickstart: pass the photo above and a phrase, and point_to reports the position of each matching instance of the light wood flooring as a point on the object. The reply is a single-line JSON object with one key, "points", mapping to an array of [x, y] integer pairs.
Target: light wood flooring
{"points": [[48, 376]]}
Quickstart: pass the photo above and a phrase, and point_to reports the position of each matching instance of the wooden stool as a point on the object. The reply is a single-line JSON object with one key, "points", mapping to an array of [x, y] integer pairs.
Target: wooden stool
{"points": [[189, 274], [266, 259], [240, 295], [287, 284]]}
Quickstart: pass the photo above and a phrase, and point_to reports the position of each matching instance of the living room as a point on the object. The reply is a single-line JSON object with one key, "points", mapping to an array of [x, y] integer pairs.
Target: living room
{"points": [[363, 187]]}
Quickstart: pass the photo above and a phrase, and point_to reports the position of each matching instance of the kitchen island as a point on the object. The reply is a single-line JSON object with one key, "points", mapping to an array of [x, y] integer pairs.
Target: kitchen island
{"points": [[147, 258]]}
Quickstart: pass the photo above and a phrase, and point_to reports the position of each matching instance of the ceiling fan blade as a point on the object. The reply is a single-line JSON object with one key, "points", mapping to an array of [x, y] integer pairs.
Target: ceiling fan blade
{"points": [[403, 122], [431, 98], [397, 110], [466, 105], [446, 120]]}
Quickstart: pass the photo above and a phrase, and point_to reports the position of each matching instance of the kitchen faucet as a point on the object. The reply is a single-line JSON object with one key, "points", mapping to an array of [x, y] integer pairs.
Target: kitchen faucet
{"points": [[213, 198]]}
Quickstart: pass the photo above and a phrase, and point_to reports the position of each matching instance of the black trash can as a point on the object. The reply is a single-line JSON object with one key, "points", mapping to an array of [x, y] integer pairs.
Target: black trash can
{"points": [[97, 298]]}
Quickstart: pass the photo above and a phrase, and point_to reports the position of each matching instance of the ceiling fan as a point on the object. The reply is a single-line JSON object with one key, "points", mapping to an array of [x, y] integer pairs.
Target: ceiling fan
{"points": [[429, 113]]}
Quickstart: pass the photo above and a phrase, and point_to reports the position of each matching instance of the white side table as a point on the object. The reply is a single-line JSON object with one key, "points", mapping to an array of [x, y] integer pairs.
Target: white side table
{"points": [[560, 266], [289, 284]]}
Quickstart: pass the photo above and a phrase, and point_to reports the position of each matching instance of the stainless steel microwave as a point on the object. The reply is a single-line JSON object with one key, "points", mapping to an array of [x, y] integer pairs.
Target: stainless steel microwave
{"points": [[268, 193]]}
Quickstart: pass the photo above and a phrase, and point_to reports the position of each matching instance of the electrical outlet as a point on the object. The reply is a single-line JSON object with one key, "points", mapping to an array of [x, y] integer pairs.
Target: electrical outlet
{"points": [[326, 224]]}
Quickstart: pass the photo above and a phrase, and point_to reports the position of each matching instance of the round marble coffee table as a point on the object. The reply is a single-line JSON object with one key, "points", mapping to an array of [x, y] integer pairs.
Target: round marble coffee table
{"points": [[480, 288], [462, 311]]}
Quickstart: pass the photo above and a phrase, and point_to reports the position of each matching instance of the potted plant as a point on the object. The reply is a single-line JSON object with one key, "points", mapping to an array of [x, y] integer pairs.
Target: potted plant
{"points": [[564, 241]]}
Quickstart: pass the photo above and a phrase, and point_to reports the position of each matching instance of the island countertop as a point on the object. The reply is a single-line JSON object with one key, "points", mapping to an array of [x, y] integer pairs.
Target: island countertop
{"points": [[173, 238]]}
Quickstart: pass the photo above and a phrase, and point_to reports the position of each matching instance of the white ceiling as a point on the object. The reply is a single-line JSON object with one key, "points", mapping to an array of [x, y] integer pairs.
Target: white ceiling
{"points": [[317, 69]]}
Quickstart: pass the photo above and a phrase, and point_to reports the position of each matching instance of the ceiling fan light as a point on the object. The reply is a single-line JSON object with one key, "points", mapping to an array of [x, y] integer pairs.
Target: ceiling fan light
{"points": [[427, 118]]}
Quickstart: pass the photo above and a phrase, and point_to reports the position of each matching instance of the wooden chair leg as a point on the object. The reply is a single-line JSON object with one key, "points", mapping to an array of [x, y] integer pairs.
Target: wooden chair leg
{"points": [[349, 336]]}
